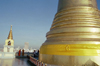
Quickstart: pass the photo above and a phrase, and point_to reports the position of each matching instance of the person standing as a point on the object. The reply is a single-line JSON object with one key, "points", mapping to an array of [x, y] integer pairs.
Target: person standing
{"points": [[19, 53], [23, 52]]}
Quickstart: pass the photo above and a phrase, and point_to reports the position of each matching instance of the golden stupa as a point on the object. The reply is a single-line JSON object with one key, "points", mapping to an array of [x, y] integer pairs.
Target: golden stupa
{"points": [[74, 37]]}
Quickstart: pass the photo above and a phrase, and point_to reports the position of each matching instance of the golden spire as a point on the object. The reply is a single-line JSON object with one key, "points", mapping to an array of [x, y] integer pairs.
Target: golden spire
{"points": [[10, 36]]}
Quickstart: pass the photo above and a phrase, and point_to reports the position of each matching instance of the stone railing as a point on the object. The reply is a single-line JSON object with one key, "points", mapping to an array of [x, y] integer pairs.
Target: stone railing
{"points": [[39, 63]]}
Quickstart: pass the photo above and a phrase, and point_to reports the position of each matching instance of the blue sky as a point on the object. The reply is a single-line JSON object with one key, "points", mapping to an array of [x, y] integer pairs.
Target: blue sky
{"points": [[31, 20]]}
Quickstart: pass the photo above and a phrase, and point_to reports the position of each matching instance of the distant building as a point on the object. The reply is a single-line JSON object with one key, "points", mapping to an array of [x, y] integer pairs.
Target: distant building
{"points": [[17, 49], [31, 50], [26, 46]]}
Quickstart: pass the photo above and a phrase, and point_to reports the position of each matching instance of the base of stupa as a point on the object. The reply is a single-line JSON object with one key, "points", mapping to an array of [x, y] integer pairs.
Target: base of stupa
{"points": [[70, 60]]}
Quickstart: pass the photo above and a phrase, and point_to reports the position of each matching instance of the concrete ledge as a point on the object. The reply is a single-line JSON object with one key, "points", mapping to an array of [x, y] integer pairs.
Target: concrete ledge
{"points": [[7, 54]]}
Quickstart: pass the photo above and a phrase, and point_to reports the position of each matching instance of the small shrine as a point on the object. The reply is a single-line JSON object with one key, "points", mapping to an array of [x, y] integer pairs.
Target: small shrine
{"points": [[8, 51]]}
